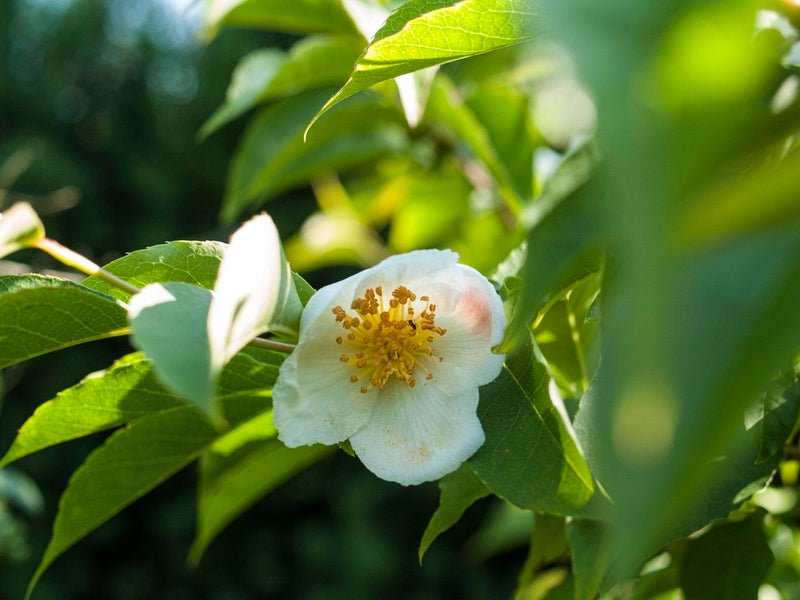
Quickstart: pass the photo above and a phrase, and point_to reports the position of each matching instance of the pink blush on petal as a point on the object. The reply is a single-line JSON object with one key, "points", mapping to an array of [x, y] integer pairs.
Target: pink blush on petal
{"points": [[472, 308]]}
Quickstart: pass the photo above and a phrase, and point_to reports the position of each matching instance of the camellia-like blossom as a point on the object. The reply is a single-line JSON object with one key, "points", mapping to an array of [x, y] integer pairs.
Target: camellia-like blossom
{"points": [[391, 359]]}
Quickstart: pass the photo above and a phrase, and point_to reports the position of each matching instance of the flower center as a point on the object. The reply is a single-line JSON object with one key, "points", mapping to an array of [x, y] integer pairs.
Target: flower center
{"points": [[388, 340]]}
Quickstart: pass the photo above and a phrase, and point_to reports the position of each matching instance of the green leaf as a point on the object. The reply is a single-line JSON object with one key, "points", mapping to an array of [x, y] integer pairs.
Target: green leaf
{"points": [[510, 130], [548, 543], [128, 390], [299, 16], [240, 468], [729, 562], [313, 62], [124, 392], [43, 314], [190, 262], [591, 545], [564, 242], [273, 157], [566, 336], [530, 457], [20, 227], [459, 490], [772, 419], [132, 462], [251, 77], [423, 33], [446, 110], [169, 326]]}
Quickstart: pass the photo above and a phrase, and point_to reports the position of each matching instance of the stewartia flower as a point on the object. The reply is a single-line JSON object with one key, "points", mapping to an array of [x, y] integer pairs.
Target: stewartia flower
{"points": [[391, 359]]}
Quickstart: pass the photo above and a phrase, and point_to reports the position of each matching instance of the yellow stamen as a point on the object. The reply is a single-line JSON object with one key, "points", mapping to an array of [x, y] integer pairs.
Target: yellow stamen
{"points": [[391, 342]]}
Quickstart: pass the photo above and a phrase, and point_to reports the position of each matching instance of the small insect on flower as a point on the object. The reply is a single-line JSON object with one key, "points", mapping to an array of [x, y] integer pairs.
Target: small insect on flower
{"points": [[391, 359]]}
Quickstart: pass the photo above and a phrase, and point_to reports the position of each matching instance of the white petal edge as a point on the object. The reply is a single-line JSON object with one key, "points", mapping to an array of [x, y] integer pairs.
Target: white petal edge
{"points": [[246, 289], [413, 437], [471, 311], [313, 399], [395, 270]]}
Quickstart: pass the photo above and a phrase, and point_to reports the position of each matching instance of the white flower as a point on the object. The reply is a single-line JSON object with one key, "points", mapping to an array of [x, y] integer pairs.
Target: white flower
{"points": [[253, 293], [391, 359]]}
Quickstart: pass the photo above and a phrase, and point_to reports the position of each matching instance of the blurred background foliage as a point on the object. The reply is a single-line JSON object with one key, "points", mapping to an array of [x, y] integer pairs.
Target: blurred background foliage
{"points": [[127, 128]]}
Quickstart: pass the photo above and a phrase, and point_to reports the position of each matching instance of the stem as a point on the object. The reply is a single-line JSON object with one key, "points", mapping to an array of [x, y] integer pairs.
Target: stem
{"points": [[77, 261], [271, 345]]}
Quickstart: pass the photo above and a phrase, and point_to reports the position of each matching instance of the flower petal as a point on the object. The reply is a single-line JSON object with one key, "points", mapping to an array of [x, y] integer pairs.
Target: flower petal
{"points": [[471, 311], [420, 434], [313, 399], [246, 290]]}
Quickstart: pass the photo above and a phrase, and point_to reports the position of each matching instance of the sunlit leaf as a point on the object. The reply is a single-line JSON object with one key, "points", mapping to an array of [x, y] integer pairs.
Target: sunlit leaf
{"points": [[423, 33], [566, 336], [43, 314], [190, 262], [448, 112]]}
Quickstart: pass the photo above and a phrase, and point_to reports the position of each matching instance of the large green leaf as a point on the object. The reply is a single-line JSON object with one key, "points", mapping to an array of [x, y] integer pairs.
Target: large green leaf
{"points": [[689, 339], [128, 390], [729, 562], [43, 314], [459, 490], [423, 33], [190, 262], [132, 462], [169, 326], [240, 468], [273, 157], [300, 16], [530, 456], [124, 392], [313, 62]]}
